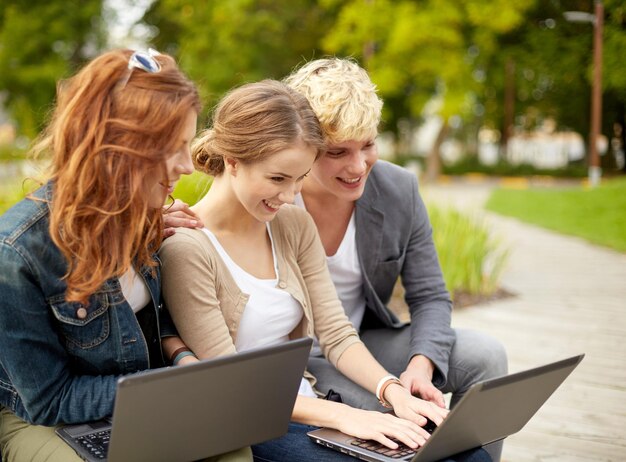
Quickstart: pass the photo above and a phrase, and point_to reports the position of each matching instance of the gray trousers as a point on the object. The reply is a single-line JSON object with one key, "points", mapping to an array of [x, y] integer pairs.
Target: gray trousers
{"points": [[475, 356]]}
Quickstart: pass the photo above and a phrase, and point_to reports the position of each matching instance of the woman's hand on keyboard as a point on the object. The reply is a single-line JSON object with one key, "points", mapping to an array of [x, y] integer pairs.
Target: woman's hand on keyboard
{"points": [[372, 425]]}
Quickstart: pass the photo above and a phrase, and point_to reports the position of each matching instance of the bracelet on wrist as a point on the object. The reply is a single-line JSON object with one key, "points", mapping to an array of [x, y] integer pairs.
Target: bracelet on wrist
{"points": [[382, 387], [176, 351], [181, 355]]}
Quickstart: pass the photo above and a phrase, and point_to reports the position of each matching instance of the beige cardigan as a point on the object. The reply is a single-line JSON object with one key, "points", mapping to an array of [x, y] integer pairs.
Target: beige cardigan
{"points": [[206, 304]]}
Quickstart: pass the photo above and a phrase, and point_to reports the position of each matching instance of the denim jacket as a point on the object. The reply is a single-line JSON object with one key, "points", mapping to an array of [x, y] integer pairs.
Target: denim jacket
{"points": [[58, 364]]}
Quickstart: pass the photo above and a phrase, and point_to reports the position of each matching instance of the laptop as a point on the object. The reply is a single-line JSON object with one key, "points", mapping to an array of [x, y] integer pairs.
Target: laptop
{"points": [[490, 411], [199, 410]]}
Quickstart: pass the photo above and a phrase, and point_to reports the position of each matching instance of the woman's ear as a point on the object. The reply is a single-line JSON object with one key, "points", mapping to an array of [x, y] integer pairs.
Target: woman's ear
{"points": [[231, 165]]}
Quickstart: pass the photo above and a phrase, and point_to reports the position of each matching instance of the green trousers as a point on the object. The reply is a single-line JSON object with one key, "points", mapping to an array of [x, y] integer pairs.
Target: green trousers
{"points": [[23, 442]]}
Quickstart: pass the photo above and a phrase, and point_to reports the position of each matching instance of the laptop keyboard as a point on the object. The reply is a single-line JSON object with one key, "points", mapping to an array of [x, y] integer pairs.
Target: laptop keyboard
{"points": [[374, 446], [96, 444], [401, 452]]}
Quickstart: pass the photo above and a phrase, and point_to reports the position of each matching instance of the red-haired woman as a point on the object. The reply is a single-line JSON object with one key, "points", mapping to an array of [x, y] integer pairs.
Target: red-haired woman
{"points": [[79, 282]]}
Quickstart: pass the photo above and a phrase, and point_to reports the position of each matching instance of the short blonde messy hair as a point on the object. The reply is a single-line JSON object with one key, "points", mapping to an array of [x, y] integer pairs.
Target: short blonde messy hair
{"points": [[342, 96]]}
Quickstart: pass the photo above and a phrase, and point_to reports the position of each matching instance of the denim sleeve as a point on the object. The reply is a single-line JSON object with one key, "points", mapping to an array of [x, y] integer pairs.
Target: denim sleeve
{"points": [[33, 358], [426, 294]]}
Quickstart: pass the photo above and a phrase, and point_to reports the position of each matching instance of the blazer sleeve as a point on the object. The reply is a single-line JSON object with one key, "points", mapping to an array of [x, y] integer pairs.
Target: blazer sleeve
{"points": [[190, 294], [426, 295]]}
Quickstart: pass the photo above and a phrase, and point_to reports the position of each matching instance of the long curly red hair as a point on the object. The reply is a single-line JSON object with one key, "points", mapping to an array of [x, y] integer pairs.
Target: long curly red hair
{"points": [[107, 137]]}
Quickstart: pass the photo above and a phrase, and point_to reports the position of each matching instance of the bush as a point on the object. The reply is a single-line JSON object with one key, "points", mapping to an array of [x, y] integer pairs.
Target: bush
{"points": [[12, 191], [471, 258], [191, 188], [470, 164], [10, 153]]}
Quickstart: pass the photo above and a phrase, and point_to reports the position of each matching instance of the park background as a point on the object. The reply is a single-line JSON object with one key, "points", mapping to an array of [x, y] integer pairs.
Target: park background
{"points": [[488, 101]]}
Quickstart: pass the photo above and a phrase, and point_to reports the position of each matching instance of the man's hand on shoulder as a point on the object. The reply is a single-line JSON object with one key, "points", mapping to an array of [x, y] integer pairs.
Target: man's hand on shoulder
{"points": [[418, 378]]}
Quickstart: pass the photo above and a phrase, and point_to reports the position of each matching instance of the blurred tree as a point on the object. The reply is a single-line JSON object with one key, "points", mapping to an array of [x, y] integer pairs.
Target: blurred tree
{"points": [[223, 44], [415, 50], [40, 42], [553, 69]]}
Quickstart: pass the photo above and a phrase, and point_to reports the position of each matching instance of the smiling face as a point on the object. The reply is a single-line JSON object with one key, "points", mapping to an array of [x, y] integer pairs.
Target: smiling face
{"points": [[263, 187], [177, 164], [343, 169]]}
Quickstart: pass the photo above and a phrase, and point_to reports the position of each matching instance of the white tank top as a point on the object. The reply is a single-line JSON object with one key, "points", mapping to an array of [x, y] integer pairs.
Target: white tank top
{"points": [[134, 289], [271, 313]]}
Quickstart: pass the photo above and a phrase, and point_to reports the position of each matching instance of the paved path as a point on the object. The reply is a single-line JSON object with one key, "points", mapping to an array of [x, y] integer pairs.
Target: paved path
{"points": [[571, 298]]}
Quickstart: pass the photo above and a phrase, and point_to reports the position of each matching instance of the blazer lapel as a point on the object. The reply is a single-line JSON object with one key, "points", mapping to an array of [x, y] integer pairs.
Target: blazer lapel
{"points": [[369, 225]]}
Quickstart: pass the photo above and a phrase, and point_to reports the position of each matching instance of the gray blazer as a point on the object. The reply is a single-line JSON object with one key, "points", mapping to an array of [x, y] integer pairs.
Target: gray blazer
{"points": [[394, 239]]}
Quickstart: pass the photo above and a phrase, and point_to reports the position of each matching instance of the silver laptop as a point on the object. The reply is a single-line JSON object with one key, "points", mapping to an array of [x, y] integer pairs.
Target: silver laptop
{"points": [[490, 411], [200, 410]]}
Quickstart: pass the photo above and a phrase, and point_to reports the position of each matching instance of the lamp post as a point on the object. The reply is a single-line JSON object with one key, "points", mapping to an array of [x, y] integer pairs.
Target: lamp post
{"points": [[597, 19]]}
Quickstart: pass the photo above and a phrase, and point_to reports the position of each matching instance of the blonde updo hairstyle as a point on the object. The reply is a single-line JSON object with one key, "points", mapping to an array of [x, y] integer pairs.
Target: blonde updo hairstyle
{"points": [[343, 97], [253, 122]]}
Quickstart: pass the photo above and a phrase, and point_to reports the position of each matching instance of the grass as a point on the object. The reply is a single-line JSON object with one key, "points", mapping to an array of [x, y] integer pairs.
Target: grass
{"points": [[597, 215]]}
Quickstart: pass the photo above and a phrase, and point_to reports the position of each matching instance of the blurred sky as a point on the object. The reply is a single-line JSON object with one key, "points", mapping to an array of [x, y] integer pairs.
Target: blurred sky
{"points": [[121, 30]]}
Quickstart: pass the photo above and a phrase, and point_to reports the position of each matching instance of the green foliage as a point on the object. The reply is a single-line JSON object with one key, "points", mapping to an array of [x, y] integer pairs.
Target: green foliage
{"points": [[553, 62], [471, 258], [596, 214], [40, 42], [470, 164], [414, 49], [13, 190], [222, 44], [191, 188], [425, 48], [11, 153]]}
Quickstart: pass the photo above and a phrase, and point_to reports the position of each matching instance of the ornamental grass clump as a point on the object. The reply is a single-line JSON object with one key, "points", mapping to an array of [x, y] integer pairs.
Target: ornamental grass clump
{"points": [[471, 258]]}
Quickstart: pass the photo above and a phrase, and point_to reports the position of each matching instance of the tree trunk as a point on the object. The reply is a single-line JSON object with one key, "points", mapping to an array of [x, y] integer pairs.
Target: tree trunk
{"points": [[621, 121], [433, 162], [509, 104]]}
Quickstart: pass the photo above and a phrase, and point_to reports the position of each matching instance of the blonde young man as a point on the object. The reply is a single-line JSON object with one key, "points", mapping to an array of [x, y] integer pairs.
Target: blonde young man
{"points": [[375, 228]]}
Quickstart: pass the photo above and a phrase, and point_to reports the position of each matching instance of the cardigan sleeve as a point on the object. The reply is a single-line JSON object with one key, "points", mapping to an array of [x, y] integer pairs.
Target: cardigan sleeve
{"points": [[190, 294], [330, 323]]}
